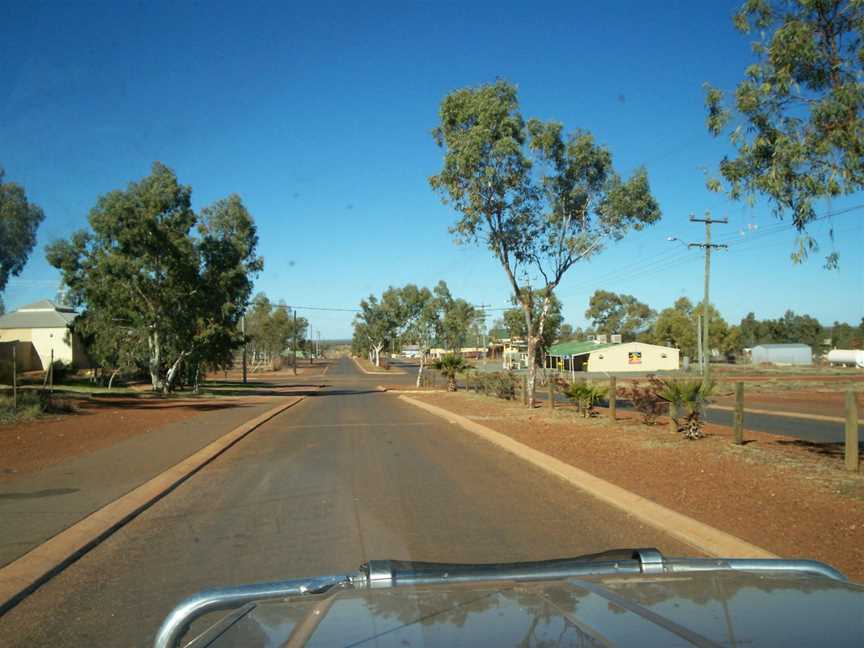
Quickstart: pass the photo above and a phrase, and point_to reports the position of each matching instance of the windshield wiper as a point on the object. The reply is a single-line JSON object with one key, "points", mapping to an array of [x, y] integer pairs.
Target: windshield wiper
{"points": [[399, 573]]}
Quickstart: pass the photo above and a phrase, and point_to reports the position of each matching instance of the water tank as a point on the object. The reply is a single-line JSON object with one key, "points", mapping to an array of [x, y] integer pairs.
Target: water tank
{"points": [[854, 357]]}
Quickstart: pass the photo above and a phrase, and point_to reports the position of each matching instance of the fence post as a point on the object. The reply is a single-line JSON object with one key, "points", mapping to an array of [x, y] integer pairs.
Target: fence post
{"points": [[51, 374], [613, 397], [739, 413], [852, 438], [524, 390], [14, 376], [551, 393]]}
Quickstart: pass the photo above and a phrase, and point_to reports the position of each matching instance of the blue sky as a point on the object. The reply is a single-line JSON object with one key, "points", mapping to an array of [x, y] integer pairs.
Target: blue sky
{"points": [[319, 116]]}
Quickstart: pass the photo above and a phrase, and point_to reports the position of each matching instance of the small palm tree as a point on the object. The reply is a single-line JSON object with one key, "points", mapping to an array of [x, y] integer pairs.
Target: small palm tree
{"points": [[449, 365], [688, 398], [586, 396]]}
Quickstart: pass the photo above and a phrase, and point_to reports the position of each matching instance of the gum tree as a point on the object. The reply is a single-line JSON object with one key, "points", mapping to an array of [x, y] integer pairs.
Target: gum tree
{"points": [[797, 118], [152, 272], [540, 200], [19, 220]]}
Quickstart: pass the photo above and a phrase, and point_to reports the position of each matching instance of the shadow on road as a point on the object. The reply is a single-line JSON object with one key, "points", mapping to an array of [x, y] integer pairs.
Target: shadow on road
{"points": [[346, 392]]}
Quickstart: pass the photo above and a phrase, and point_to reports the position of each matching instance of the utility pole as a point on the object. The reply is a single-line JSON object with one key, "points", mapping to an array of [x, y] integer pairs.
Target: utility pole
{"points": [[243, 330], [707, 246], [294, 346]]}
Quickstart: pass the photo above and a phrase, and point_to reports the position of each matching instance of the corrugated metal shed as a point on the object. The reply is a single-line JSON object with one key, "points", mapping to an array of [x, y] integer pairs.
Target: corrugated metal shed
{"points": [[574, 348], [783, 354]]}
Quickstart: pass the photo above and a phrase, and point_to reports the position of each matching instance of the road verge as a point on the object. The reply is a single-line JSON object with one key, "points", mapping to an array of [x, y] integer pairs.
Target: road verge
{"points": [[386, 372], [25, 574], [698, 535]]}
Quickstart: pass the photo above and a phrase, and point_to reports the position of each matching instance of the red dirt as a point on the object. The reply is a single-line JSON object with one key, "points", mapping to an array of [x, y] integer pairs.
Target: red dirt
{"points": [[101, 422], [785, 495], [28, 447]]}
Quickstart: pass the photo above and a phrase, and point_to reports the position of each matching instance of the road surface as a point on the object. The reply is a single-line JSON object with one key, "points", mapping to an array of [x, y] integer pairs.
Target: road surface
{"points": [[347, 475]]}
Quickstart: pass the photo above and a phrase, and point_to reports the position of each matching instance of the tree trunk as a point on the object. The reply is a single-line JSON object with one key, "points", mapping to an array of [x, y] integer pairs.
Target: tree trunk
{"points": [[155, 359], [451, 383], [172, 373], [420, 371], [532, 370], [377, 349], [111, 379]]}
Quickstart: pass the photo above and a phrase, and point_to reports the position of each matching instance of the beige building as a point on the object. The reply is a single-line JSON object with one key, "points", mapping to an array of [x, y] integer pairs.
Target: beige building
{"points": [[633, 356], [40, 329]]}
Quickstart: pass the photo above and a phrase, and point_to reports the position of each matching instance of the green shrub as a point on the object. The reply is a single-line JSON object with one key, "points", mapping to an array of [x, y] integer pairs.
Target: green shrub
{"points": [[586, 396], [501, 384], [31, 405]]}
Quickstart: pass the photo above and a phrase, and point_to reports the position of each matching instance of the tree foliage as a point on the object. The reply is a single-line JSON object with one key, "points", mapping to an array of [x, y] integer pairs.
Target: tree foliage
{"points": [[412, 315], [271, 330], [846, 336], [611, 313], [791, 328], [152, 272], [19, 220], [676, 326], [539, 199], [797, 123]]}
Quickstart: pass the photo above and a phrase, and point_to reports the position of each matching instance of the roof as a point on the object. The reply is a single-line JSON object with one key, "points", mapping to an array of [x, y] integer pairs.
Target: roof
{"points": [[42, 314], [796, 345], [574, 348]]}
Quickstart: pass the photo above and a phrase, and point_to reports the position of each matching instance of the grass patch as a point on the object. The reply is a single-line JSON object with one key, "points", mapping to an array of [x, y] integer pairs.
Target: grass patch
{"points": [[32, 405]]}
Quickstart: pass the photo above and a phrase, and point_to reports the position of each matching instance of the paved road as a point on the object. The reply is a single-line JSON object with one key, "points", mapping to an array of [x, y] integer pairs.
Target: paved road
{"points": [[347, 475]]}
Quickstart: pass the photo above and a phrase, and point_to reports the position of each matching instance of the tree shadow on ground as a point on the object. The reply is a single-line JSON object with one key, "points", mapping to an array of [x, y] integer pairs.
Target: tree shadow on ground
{"points": [[95, 405], [830, 450], [281, 390], [346, 392]]}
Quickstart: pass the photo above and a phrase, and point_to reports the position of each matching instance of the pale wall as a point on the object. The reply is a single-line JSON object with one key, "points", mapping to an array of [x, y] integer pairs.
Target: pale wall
{"points": [[7, 335], [616, 359], [59, 339]]}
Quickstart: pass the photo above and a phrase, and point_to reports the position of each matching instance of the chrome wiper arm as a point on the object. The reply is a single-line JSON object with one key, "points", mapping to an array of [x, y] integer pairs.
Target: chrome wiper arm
{"points": [[181, 617]]}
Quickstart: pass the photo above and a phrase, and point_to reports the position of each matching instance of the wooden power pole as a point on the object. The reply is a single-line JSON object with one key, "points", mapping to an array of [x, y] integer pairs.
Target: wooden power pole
{"points": [[707, 246]]}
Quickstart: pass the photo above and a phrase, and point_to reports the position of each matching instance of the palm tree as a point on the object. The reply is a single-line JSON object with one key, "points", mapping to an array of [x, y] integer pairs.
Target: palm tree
{"points": [[687, 397], [586, 396], [451, 364]]}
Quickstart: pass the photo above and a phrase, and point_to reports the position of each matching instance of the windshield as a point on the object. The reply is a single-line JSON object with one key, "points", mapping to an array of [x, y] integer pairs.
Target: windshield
{"points": [[286, 288]]}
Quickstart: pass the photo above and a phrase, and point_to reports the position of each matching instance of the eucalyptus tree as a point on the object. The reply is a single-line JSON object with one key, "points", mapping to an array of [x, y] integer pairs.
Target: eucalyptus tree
{"points": [[374, 327], [611, 313], [540, 200], [797, 119], [171, 279], [19, 220], [456, 317]]}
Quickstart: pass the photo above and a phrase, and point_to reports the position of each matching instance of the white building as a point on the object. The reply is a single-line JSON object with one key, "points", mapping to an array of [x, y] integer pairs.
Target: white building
{"points": [[634, 356], [40, 329]]}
